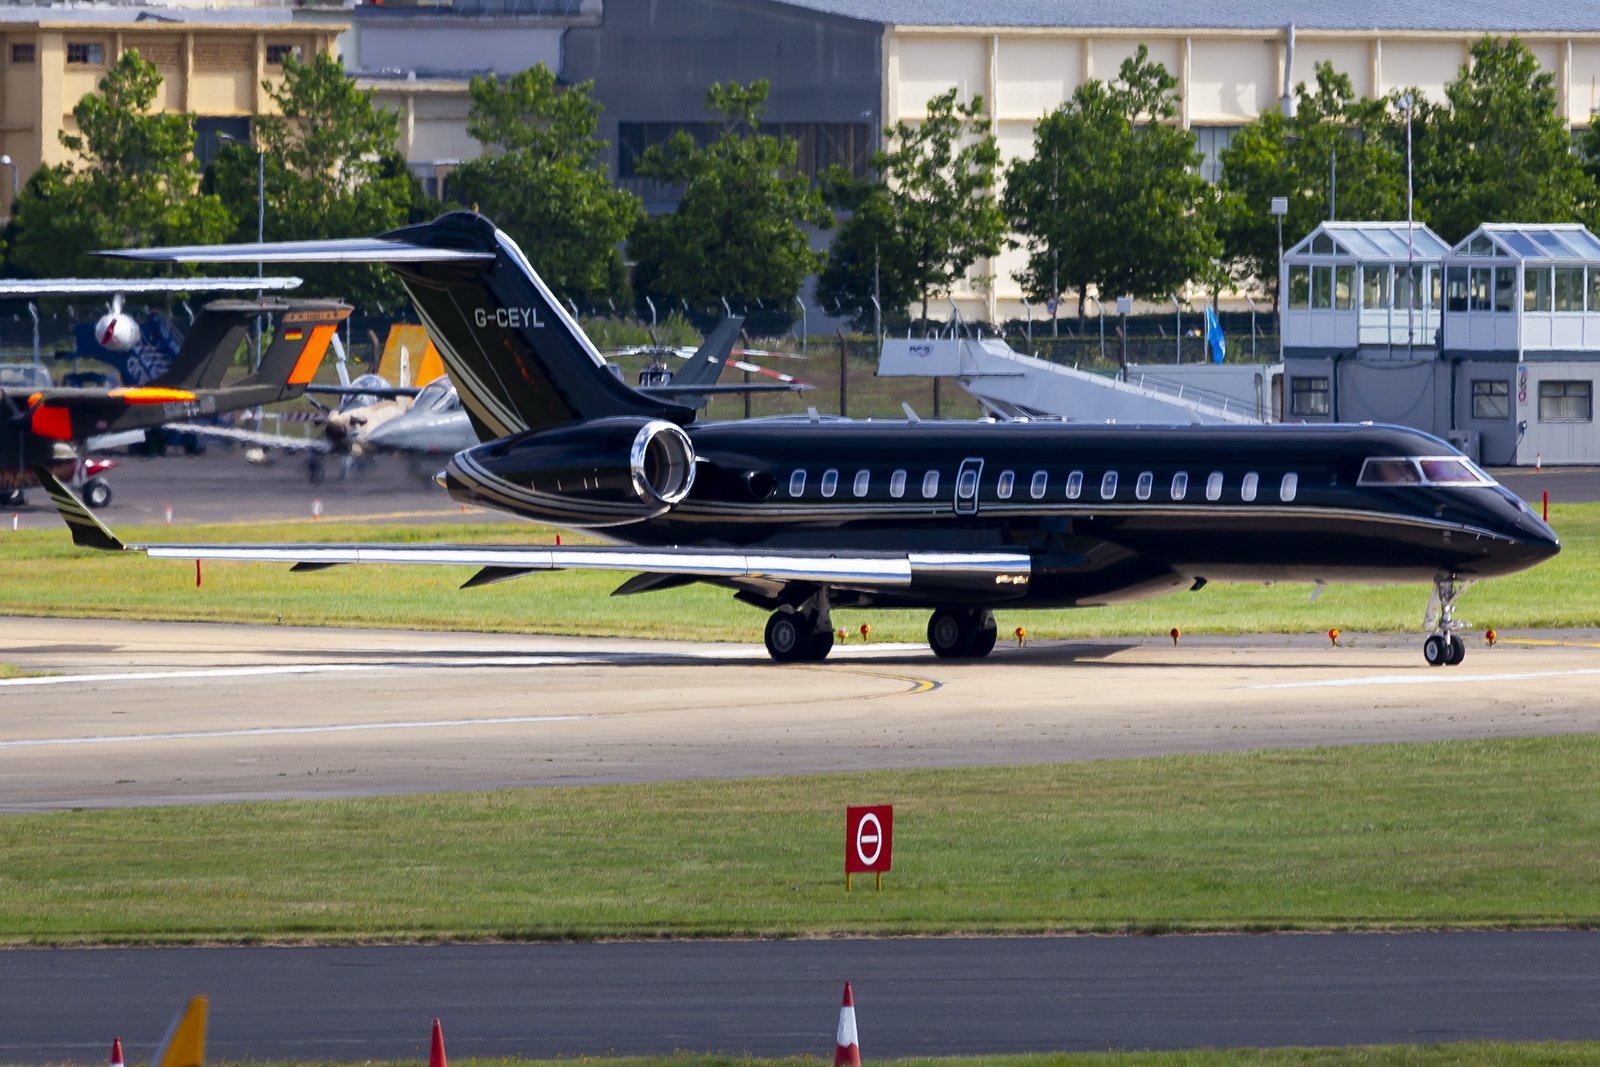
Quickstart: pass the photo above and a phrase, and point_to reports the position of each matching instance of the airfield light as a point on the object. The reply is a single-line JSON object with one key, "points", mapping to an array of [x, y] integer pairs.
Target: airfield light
{"points": [[1490, 637], [1175, 635], [865, 629], [1022, 636], [1333, 636]]}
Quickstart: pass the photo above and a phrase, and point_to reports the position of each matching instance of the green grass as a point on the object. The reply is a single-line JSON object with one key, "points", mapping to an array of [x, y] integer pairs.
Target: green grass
{"points": [[1500, 833], [1476, 1053], [41, 573]]}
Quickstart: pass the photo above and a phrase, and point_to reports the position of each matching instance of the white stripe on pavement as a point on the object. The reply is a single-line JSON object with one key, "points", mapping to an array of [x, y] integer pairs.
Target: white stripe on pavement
{"points": [[265, 731], [1442, 677], [299, 668]]}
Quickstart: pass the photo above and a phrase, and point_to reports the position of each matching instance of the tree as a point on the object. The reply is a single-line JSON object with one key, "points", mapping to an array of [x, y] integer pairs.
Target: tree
{"points": [[1335, 146], [540, 181], [132, 183], [1498, 151], [1110, 196], [333, 169], [933, 192], [868, 258], [735, 233]]}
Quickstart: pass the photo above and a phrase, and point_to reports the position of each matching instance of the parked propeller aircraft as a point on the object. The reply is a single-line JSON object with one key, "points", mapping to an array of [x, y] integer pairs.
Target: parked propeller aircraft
{"points": [[801, 515], [51, 428]]}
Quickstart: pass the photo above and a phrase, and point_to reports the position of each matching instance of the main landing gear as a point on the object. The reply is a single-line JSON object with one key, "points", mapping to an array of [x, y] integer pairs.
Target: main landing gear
{"points": [[956, 633], [1444, 647], [795, 637]]}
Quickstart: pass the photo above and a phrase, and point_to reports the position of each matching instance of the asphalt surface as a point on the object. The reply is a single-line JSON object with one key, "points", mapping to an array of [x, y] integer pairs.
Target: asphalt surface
{"points": [[772, 998], [146, 713]]}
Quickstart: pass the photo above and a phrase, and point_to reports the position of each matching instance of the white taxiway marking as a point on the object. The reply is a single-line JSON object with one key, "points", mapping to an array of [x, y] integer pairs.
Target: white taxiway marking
{"points": [[299, 668], [1442, 678], [263, 731]]}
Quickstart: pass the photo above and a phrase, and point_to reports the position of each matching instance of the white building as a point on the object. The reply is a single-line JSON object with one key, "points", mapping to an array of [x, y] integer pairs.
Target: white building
{"points": [[1345, 289]]}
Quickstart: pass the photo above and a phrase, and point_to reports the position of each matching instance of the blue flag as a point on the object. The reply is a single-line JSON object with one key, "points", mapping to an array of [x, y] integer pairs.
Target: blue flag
{"points": [[1214, 336]]}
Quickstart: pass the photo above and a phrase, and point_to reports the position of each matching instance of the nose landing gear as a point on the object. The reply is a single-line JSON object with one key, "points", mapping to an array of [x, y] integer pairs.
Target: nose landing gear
{"points": [[1444, 647]]}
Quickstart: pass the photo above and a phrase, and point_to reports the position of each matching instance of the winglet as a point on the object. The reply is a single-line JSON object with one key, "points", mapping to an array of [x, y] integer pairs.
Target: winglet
{"points": [[87, 531], [185, 1043]]}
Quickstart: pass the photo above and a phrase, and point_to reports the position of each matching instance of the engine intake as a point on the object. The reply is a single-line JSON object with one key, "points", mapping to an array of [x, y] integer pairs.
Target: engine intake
{"points": [[605, 472]]}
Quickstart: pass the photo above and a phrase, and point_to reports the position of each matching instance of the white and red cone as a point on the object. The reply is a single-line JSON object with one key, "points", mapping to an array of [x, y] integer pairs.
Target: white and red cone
{"points": [[436, 1051], [116, 1052], [847, 1050]]}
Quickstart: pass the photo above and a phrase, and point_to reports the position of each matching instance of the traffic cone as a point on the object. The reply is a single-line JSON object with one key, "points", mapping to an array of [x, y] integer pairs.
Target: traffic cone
{"points": [[436, 1053], [847, 1051], [116, 1052]]}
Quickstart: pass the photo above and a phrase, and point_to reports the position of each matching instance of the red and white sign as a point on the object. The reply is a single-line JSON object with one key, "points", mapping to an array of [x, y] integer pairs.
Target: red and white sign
{"points": [[869, 835]]}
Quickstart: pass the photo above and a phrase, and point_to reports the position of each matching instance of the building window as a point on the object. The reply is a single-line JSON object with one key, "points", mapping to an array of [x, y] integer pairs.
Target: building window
{"points": [[1535, 289], [277, 53], [1566, 401], [1211, 141], [1491, 399], [1344, 288], [1505, 289], [1180, 485], [930, 485], [1037, 486], [1478, 293], [1299, 287], [1594, 288], [897, 484], [22, 53], [208, 131], [1322, 287], [92, 55], [1108, 485], [1074, 485], [1308, 396], [1569, 289], [797, 483], [830, 482], [1002, 488], [1375, 287], [1456, 289], [819, 145]]}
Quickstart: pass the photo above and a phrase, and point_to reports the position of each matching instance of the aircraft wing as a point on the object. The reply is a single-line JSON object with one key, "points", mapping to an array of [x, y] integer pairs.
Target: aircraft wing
{"points": [[112, 286], [871, 570], [343, 250]]}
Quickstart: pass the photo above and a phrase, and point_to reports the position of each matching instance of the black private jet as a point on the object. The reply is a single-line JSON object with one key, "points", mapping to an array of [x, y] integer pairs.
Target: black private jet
{"points": [[801, 515]]}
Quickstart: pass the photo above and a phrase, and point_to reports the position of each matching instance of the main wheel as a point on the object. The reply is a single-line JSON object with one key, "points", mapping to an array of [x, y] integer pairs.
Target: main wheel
{"points": [[96, 493], [1458, 651], [951, 633], [821, 645], [1436, 650], [786, 636]]}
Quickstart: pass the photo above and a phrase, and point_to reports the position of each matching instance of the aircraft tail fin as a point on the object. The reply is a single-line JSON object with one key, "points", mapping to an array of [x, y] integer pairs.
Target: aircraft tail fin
{"points": [[518, 359], [705, 366], [185, 1043], [87, 530], [208, 349], [300, 339]]}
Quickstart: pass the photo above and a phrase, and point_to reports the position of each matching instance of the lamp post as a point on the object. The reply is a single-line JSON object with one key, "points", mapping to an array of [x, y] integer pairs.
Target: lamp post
{"points": [[1411, 248], [1178, 310], [1280, 208], [261, 220], [1124, 306], [15, 188]]}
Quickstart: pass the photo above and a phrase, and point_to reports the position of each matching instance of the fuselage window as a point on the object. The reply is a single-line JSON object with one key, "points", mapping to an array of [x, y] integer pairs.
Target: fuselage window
{"points": [[897, 484], [1142, 488], [1074, 485], [1108, 485], [1247, 488], [1286, 488], [797, 483], [830, 482], [1002, 488], [930, 485], [967, 485], [1214, 486], [1036, 487], [1180, 485], [863, 479]]}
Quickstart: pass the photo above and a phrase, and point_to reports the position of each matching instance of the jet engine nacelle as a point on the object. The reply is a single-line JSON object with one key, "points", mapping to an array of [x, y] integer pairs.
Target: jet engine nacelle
{"points": [[117, 332], [604, 472]]}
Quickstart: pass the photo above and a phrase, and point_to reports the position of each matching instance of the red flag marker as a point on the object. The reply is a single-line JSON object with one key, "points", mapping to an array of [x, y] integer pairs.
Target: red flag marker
{"points": [[116, 1052], [436, 1053], [847, 1050]]}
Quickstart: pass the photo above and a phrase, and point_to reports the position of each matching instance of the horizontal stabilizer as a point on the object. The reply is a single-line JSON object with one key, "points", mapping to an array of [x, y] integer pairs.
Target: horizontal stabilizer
{"points": [[342, 250], [87, 531], [113, 286], [365, 390], [674, 389]]}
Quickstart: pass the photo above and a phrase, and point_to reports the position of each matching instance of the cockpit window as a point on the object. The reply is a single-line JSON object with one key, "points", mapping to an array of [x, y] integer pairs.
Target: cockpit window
{"points": [[433, 395], [1422, 470]]}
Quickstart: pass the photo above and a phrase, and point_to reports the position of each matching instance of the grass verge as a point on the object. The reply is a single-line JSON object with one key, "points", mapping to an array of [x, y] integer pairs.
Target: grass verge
{"points": [[1497, 833], [41, 573], [1459, 1054]]}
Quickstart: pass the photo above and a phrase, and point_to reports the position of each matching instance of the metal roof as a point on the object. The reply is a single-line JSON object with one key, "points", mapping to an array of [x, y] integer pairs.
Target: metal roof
{"points": [[1564, 242], [1474, 16], [1376, 240]]}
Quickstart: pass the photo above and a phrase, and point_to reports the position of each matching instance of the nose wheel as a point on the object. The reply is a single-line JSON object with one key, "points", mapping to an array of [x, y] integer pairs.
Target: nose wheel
{"points": [[1444, 647]]}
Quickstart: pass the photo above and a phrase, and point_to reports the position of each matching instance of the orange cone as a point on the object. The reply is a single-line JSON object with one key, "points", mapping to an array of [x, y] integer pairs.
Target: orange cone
{"points": [[116, 1052], [847, 1050], [436, 1053]]}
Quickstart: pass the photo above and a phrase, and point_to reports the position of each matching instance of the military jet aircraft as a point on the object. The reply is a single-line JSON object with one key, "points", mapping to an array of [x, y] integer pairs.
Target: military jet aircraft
{"points": [[800, 515]]}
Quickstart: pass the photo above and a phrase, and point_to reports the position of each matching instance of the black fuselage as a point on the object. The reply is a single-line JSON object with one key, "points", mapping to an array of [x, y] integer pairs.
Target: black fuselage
{"points": [[1106, 513]]}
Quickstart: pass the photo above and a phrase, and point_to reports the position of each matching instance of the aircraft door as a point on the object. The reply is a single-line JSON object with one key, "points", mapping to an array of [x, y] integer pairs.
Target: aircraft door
{"points": [[967, 486]]}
